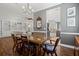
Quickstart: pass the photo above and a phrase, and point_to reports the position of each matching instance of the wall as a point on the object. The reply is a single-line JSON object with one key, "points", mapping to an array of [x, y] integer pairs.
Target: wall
{"points": [[65, 38], [41, 14], [13, 18], [7, 27]]}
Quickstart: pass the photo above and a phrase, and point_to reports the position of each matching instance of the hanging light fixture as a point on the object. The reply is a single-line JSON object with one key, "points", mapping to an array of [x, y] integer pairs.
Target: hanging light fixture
{"points": [[28, 11], [27, 8]]}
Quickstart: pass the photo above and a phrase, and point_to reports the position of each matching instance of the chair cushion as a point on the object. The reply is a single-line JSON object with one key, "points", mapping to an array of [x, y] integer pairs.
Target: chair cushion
{"points": [[29, 46], [26, 46], [48, 47]]}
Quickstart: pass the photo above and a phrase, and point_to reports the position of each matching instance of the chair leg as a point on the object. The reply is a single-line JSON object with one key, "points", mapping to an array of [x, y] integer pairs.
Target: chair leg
{"points": [[47, 53], [14, 49], [51, 54], [55, 53], [43, 53], [34, 51], [29, 52]]}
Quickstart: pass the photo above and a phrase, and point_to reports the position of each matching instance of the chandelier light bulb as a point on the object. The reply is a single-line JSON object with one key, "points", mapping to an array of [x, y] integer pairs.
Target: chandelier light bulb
{"points": [[23, 7]]}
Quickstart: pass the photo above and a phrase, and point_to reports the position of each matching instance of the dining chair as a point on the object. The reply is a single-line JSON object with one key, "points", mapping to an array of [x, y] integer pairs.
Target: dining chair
{"points": [[17, 44], [76, 46], [28, 47], [50, 48], [39, 37]]}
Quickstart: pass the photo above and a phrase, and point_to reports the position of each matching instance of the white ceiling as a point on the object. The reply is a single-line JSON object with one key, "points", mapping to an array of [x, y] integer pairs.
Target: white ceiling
{"points": [[35, 6], [16, 8], [40, 6]]}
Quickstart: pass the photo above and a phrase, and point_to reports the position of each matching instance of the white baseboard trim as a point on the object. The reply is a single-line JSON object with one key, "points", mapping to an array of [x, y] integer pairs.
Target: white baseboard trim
{"points": [[68, 46], [69, 33]]}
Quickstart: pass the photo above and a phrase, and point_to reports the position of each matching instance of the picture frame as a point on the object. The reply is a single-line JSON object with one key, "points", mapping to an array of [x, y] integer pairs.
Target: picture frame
{"points": [[71, 22], [71, 11], [39, 22]]}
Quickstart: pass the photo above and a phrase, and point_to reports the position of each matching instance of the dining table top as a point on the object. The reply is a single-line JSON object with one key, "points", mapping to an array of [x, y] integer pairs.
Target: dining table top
{"points": [[38, 40]]}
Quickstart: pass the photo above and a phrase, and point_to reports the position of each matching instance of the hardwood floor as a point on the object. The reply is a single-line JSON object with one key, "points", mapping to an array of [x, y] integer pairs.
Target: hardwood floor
{"points": [[66, 51], [6, 45]]}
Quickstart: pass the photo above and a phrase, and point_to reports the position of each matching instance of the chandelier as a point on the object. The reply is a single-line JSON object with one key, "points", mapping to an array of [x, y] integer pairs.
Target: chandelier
{"points": [[28, 11]]}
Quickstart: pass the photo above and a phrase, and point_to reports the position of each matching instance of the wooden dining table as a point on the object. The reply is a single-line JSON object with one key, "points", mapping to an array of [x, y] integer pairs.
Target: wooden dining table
{"points": [[39, 42], [36, 41]]}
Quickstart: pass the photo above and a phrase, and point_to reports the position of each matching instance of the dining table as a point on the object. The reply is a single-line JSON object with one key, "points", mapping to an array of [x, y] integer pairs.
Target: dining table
{"points": [[36, 41], [39, 42]]}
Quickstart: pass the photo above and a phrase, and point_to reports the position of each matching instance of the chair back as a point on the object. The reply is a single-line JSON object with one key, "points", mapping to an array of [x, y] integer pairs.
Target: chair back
{"points": [[25, 40], [56, 43], [14, 38]]}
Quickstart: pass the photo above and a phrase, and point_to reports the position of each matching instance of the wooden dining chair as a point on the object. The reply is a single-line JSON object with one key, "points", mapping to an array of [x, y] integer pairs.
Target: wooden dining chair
{"points": [[76, 46], [28, 47], [14, 40], [50, 48], [17, 44], [25, 45]]}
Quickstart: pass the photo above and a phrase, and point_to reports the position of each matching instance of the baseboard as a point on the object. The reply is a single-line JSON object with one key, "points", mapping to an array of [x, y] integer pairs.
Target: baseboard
{"points": [[5, 37], [68, 46]]}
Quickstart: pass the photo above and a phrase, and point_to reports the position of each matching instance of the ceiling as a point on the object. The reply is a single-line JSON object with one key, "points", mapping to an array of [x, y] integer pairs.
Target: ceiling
{"points": [[35, 6], [16, 8], [40, 6]]}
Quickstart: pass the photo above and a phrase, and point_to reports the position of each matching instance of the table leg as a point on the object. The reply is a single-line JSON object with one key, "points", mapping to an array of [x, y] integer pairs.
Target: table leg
{"points": [[74, 51]]}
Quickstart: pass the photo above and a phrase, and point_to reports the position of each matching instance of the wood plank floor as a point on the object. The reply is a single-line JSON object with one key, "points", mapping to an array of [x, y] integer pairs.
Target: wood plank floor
{"points": [[6, 45]]}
